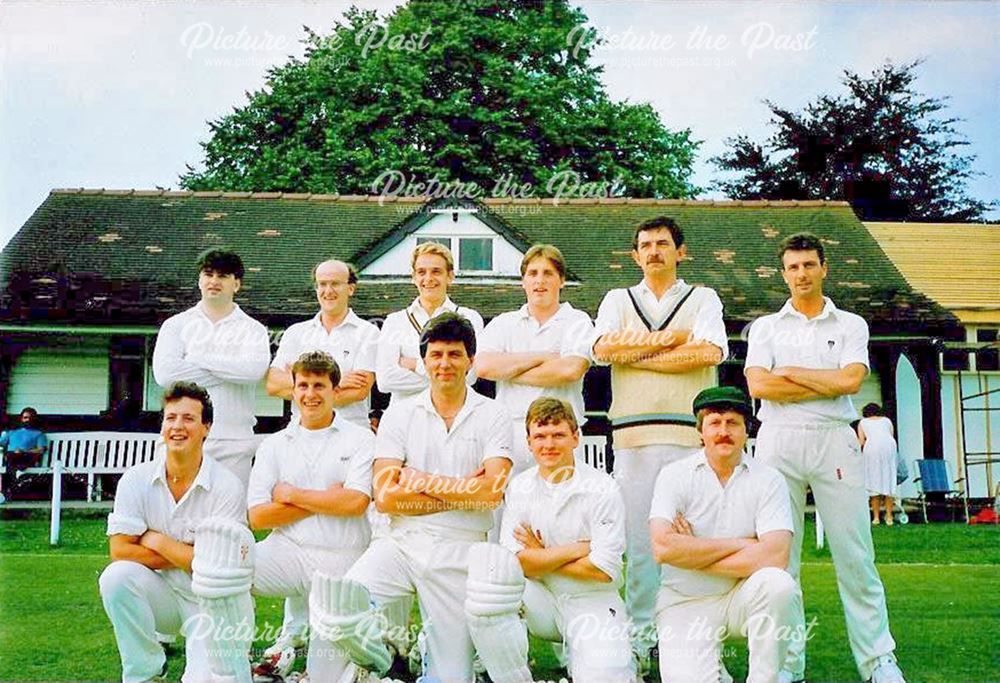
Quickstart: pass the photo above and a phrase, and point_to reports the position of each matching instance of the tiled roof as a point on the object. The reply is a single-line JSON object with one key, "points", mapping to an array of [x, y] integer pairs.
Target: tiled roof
{"points": [[955, 264], [105, 256]]}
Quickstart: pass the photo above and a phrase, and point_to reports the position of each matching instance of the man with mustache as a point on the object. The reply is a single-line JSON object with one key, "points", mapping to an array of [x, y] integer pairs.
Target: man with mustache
{"points": [[804, 362], [224, 350], [663, 339], [720, 524]]}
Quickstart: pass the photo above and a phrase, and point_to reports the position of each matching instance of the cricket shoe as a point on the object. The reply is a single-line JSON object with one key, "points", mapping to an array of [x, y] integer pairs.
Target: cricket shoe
{"points": [[887, 671], [276, 662]]}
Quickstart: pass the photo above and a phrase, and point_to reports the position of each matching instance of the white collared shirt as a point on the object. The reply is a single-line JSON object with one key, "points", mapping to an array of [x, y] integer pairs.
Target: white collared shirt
{"points": [[568, 333], [832, 340], [143, 502], [229, 358], [614, 312], [412, 431], [588, 506], [352, 344], [315, 459], [400, 338], [753, 502]]}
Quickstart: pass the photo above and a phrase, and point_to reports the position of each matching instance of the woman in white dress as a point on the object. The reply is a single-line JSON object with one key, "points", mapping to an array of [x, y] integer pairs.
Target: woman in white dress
{"points": [[878, 447]]}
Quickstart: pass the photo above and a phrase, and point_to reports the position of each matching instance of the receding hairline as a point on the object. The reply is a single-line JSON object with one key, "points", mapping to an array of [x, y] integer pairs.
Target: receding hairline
{"points": [[332, 263]]}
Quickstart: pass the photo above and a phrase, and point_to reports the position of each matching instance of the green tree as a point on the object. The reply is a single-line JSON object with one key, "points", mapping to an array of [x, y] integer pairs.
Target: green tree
{"points": [[472, 91], [882, 146]]}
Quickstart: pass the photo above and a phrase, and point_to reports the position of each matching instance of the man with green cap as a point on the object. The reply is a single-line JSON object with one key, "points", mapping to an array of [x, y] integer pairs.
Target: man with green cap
{"points": [[721, 527]]}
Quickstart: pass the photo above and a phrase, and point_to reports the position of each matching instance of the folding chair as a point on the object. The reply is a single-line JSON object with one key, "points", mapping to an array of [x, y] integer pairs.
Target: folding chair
{"points": [[935, 479]]}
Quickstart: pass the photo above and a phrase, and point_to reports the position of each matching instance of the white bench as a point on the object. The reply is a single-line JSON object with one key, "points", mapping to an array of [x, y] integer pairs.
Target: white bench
{"points": [[94, 454]]}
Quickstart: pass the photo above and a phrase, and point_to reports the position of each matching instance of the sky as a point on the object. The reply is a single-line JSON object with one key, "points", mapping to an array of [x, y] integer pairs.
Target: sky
{"points": [[117, 95]]}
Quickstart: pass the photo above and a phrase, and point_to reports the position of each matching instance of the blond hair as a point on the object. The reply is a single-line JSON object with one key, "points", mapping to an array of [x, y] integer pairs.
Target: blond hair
{"points": [[434, 249]]}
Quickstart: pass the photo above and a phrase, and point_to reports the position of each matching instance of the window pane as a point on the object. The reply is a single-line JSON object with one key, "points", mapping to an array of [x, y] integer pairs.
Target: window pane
{"points": [[955, 359], [475, 253], [988, 358], [446, 241]]}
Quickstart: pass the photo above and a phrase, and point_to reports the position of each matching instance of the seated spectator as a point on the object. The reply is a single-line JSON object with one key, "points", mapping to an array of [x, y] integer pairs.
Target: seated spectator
{"points": [[23, 447]]}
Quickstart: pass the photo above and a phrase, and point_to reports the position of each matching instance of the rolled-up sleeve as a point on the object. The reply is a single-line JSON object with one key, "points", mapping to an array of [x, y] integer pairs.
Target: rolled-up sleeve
{"points": [[127, 514], [607, 533]]}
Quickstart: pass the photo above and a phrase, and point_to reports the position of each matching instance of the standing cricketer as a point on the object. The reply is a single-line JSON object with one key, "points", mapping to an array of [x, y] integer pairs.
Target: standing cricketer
{"points": [[441, 464], [311, 484], [351, 341], [218, 346], [337, 330], [663, 339], [398, 367], [147, 589], [721, 525], [541, 349], [559, 563], [804, 362]]}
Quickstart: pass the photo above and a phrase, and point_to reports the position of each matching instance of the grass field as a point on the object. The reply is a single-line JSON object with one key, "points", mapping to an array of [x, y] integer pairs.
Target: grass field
{"points": [[943, 584]]}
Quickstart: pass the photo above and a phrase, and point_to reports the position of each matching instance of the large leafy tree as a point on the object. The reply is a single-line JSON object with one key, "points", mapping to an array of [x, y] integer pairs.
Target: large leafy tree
{"points": [[882, 146], [487, 90]]}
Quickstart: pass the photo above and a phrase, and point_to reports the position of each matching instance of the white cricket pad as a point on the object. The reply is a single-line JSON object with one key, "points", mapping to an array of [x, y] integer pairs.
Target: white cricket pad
{"points": [[223, 559], [494, 589], [341, 613]]}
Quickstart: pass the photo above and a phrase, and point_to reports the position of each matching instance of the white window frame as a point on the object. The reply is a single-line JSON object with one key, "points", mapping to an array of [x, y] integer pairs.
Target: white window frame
{"points": [[454, 243]]}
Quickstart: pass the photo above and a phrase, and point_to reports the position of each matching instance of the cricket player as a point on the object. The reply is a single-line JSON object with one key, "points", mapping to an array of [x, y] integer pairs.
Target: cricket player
{"points": [[218, 346], [663, 339], [351, 341], [541, 349], [441, 463], [311, 484], [721, 526], [147, 588], [559, 563], [398, 367], [804, 362], [337, 330]]}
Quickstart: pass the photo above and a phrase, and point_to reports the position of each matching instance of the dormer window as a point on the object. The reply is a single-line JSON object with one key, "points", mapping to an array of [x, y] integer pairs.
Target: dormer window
{"points": [[473, 255]]}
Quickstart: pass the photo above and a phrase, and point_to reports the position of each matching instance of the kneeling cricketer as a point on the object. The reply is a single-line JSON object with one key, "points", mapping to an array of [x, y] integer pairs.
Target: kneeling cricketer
{"points": [[559, 562]]}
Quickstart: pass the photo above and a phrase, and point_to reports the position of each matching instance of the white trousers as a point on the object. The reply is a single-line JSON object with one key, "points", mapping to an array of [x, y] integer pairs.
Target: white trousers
{"points": [[235, 454], [636, 470], [594, 627], [828, 459], [759, 608], [285, 568], [433, 568], [140, 603]]}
